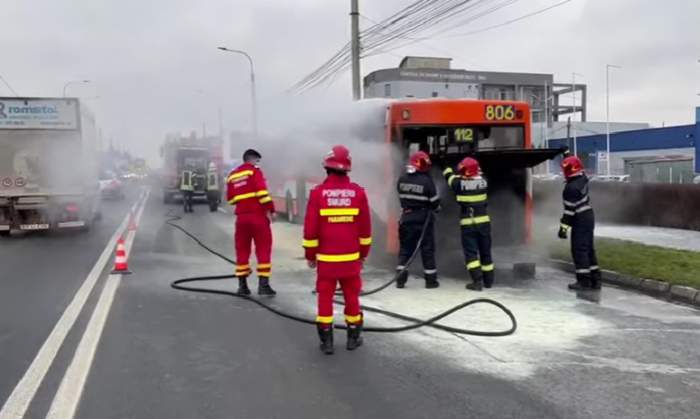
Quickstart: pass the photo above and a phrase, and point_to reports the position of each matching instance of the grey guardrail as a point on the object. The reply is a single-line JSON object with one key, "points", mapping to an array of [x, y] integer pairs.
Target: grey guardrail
{"points": [[679, 293]]}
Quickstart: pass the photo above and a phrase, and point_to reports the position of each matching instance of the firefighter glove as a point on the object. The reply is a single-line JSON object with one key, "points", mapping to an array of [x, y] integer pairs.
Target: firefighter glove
{"points": [[562, 233]]}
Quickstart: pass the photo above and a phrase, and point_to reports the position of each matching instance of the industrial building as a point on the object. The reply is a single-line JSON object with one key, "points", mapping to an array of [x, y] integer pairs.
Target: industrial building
{"points": [[669, 154], [426, 77]]}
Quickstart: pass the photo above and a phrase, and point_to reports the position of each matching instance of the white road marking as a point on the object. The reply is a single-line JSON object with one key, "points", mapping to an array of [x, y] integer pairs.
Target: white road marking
{"points": [[67, 398], [17, 404]]}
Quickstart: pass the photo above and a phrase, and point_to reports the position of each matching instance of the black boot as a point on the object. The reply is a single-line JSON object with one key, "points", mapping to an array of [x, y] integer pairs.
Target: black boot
{"points": [[431, 281], [488, 279], [477, 283], [596, 279], [264, 287], [354, 338], [402, 279], [325, 333], [243, 285], [583, 282]]}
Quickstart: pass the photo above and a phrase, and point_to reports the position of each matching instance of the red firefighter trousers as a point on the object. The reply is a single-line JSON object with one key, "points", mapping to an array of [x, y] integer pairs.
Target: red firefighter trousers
{"points": [[253, 227], [351, 286]]}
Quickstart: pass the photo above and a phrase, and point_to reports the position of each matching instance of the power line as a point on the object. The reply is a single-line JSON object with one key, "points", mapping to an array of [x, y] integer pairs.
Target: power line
{"points": [[399, 30], [411, 19], [8, 85], [517, 19]]}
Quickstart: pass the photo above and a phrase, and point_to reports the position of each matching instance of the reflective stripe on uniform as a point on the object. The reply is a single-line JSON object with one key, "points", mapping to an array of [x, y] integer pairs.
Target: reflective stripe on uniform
{"points": [[264, 274], [400, 267], [265, 200], [365, 241], [473, 264], [309, 243], [262, 192], [447, 171], [353, 319], [475, 220], [595, 267], [567, 212], [565, 226], [241, 197], [339, 211], [434, 198], [264, 265], [413, 197], [579, 202], [342, 219], [239, 175], [430, 271], [347, 257], [583, 271], [487, 268], [324, 319], [583, 209], [242, 267], [451, 178], [471, 198]]}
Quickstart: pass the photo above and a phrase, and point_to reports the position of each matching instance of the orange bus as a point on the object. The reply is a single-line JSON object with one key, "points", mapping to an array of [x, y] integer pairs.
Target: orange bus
{"points": [[496, 133]]}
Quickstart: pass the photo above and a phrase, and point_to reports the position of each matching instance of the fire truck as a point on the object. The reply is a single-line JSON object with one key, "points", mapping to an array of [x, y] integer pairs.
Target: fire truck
{"points": [[496, 133], [189, 152]]}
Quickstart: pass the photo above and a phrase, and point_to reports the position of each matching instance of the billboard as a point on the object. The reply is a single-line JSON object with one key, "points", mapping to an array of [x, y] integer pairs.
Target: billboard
{"points": [[32, 113]]}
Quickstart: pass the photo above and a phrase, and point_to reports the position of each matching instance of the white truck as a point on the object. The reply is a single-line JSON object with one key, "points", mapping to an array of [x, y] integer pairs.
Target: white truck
{"points": [[48, 165]]}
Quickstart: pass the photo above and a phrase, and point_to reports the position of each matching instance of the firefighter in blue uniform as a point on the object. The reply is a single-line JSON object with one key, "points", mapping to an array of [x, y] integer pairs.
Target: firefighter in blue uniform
{"points": [[419, 198], [470, 190], [579, 219]]}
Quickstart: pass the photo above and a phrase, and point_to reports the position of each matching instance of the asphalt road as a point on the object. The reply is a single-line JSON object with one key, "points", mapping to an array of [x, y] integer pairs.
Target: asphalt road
{"points": [[166, 353], [40, 274]]}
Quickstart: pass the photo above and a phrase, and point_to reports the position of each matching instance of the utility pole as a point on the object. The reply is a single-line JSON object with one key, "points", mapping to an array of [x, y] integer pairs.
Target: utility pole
{"points": [[355, 48]]}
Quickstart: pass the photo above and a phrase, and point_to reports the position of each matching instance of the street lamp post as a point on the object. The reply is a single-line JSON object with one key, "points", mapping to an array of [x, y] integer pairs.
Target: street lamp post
{"points": [[253, 96], [573, 109], [607, 113], [65, 86]]}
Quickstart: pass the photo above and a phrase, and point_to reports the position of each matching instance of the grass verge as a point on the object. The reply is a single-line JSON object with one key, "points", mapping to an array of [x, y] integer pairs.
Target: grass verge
{"points": [[678, 267]]}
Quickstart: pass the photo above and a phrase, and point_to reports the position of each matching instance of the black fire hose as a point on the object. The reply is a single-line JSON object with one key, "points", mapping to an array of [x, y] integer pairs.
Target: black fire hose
{"points": [[416, 323]]}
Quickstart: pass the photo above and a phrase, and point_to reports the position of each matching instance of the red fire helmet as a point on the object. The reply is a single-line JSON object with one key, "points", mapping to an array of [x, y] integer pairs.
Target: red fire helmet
{"points": [[421, 161], [571, 166], [338, 159], [469, 167]]}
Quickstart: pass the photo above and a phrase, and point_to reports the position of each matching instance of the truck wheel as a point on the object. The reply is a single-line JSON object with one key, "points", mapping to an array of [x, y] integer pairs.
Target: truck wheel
{"points": [[213, 206], [5, 233]]}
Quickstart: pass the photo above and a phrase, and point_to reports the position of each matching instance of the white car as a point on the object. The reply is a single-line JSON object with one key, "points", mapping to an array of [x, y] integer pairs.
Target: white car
{"points": [[697, 180]]}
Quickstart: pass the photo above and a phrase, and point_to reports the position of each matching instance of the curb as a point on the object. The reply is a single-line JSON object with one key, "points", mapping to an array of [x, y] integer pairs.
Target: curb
{"points": [[678, 293]]}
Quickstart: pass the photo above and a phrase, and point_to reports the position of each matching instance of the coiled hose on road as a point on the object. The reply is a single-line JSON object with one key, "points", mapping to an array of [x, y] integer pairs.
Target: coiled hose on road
{"points": [[415, 323]]}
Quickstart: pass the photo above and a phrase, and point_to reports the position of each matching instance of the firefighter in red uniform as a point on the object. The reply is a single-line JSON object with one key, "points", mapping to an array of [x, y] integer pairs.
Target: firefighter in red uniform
{"points": [[246, 189], [337, 238]]}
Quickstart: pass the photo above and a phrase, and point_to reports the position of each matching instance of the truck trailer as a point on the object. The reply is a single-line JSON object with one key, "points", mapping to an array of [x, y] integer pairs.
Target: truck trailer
{"points": [[48, 165]]}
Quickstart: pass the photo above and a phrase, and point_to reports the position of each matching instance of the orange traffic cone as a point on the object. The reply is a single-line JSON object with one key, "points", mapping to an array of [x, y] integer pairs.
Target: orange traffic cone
{"points": [[120, 264], [132, 221]]}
